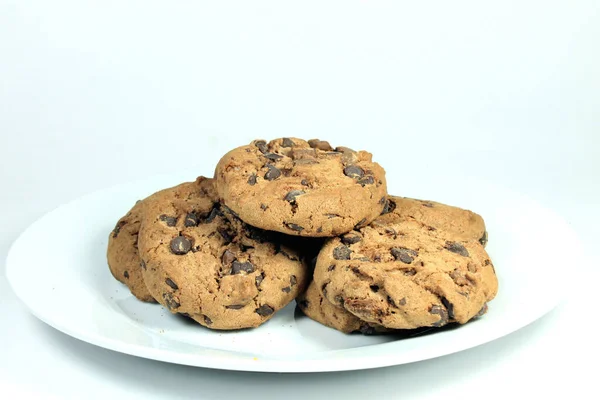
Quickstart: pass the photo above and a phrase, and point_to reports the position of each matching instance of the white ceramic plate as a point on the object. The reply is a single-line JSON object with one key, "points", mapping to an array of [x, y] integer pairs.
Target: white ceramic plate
{"points": [[57, 267]]}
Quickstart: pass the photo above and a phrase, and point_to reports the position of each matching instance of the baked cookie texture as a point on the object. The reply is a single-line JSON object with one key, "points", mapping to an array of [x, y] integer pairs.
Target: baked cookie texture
{"points": [[122, 254], [316, 307], [453, 221], [401, 274], [301, 188], [209, 266]]}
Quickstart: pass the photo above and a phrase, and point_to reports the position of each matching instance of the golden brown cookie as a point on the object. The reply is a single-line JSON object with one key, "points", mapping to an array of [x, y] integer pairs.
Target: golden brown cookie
{"points": [[301, 188], [316, 307], [216, 270], [400, 274], [122, 253], [456, 222]]}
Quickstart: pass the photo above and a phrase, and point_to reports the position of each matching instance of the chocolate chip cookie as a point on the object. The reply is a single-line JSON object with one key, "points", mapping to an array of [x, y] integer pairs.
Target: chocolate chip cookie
{"points": [[122, 254], [301, 188], [400, 274], [458, 223], [316, 307], [222, 274]]}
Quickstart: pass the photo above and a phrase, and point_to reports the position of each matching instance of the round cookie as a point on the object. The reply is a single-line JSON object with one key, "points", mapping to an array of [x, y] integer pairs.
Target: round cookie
{"points": [[301, 188], [316, 307], [460, 224], [122, 253], [222, 274], [399, 274]]}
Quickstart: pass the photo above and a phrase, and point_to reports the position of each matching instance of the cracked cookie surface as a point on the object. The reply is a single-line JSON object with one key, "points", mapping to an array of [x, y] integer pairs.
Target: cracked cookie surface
{"points": [[222, 274], [301, 188], [399, 273]]}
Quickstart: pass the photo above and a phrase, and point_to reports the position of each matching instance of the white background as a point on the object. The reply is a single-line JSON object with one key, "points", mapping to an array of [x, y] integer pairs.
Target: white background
{"points": [[98, 93]]}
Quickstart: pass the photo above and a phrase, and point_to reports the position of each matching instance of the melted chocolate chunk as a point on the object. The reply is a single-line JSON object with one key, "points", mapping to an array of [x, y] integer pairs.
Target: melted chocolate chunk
{"points": [[180, 245], [172, 284], [170, 221], [342, 253], [264, 310], [457, 248]]}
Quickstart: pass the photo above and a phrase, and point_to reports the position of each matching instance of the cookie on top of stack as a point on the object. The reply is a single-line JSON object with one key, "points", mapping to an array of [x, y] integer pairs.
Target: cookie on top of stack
{"points": [[230, 252]]}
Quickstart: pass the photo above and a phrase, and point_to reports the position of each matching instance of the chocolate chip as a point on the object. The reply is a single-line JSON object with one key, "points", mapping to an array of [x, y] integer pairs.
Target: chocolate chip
{"points": [[303, 304], [238, 267], [361, 224], [441, 311], [427, 204], [213, 214], [207, 320], [273, 156], [354, 171], [227, 258], [180, 245], [291, 196], [287, 142], [273, 173], [172, 284], [368, 180], [259, 278], [263, 207], [304, 182], [235, 307], [457, 248], [294, 227], [449, 306], [402, 301], [191, 219], [331, 268], [262, 146], [403, 254], [342, 253], [391, 301], [126, 274], [390, 205], [252, 180], [374, 288], [264, 310], [286, 289], [410, 272], [484, 239], [170, 300], [351, 239], [320, 144], [118, 227], [170, 221], [342, 149], [293, 280]]}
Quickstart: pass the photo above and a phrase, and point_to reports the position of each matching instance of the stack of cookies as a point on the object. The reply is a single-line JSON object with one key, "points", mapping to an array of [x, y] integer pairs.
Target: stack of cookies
{"points": [[294, 219]]}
